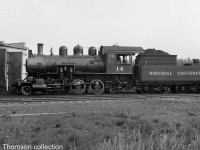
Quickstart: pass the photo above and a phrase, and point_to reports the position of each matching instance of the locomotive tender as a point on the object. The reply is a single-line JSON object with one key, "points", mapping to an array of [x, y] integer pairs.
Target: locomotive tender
{"points": [[113, 69]]}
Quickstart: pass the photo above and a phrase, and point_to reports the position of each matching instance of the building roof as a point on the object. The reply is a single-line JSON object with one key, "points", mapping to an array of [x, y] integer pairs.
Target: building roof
{"points": [[14, 45]]}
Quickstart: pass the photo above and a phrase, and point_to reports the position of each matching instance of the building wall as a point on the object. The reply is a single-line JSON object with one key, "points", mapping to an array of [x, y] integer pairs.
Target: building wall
{"points": [[4, 66], [24, 57]]}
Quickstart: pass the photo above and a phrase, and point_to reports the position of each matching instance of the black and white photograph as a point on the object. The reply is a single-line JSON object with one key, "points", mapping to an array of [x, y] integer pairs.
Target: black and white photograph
{"points": [[99, 75]]}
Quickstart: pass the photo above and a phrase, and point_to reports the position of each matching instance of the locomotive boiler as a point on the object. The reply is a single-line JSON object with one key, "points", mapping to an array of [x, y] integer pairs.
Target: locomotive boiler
{"points": [[54, 64]]}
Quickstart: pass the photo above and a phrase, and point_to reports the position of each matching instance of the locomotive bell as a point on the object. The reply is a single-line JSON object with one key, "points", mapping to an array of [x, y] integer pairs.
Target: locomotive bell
{"points": [[92, 51], [63, 51], [78, 50]]}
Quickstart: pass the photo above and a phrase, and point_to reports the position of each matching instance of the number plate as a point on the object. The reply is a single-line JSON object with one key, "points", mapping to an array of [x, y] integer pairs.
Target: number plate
{"points": [[120, 69]]}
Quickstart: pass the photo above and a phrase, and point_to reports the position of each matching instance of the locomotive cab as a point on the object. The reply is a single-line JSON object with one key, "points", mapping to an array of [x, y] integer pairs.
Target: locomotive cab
{"points": [[118, 63], [119, 58]]}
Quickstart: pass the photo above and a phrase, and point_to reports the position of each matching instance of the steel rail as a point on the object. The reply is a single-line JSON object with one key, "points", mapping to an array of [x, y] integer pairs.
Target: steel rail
{"points": [[86, 98]]}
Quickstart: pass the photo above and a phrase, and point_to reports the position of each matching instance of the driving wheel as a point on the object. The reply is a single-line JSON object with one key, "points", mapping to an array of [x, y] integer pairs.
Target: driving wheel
{"points": [[96, 87], [78, 87]]}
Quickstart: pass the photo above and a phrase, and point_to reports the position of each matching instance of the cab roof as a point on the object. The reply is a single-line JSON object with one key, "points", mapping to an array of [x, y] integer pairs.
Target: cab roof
{"points": [[120, 49]]}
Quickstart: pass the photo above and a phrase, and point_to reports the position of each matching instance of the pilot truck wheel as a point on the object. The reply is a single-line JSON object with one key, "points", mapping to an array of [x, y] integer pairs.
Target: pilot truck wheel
{"points": [[26, 90]]}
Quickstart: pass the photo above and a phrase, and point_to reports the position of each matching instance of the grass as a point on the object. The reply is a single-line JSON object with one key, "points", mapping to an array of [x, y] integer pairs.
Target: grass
{"points": [[146, 125], [155, 132], [119, 131], [156, 141]]}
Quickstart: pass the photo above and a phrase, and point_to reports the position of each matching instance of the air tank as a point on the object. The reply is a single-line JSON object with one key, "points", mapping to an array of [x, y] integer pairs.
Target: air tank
{"points": [[92, 51], [63, 51], [78, 50]]}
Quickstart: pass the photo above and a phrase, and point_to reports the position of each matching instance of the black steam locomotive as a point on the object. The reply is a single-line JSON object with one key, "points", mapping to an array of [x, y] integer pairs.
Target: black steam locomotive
{"points": [[113, 69]]}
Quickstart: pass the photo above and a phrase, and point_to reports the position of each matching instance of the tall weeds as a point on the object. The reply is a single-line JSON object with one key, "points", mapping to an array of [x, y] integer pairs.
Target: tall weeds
{"points": [[156, 141]]}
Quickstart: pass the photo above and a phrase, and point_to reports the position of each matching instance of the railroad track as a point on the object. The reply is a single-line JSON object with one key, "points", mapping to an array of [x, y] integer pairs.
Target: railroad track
{"points": [[103, 97]]}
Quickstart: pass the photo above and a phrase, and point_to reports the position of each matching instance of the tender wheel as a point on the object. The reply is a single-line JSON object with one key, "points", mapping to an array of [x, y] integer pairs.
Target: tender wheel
{"points": [[163, 89], [146, 89], [26, 90], [143, 90], [96, 87], [198, 89], [173, 88], [78, 87], [183, 89]]}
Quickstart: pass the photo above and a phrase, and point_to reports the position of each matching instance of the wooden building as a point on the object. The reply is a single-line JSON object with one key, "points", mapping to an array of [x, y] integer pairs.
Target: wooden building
{"points": [[12, 63]]}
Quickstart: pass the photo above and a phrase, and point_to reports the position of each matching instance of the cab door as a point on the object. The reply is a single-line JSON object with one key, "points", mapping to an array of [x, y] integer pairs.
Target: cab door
{"points": [[119, 63]]}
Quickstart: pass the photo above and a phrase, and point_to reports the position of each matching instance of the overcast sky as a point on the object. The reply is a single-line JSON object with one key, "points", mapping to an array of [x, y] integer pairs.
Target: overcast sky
{"points": [[169, 25]]}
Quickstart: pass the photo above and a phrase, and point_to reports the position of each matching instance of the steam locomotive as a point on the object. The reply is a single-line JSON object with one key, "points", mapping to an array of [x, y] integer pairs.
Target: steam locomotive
{"points": [[113, 69]]}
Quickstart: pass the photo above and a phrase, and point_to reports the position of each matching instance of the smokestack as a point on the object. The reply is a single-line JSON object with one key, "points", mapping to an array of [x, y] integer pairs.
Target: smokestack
{"points": [[40, 49]]}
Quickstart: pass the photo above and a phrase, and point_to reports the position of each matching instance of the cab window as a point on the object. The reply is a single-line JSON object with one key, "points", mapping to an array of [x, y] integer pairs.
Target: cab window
{"points": [[123, 59]]}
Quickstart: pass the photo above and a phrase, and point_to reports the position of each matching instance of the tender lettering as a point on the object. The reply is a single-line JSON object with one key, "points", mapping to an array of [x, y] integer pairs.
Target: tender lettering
{"points": [[189, 73], [161, 73], [179, 73]]}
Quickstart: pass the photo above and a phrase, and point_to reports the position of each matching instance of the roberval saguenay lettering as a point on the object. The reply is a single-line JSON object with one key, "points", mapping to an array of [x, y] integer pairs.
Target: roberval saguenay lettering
{"points": [[188, 73], [169, 73], [161, 73]]}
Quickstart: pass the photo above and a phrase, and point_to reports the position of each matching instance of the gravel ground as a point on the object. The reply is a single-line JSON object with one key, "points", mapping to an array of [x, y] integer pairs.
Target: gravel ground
{"points": [[181, 104]]}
